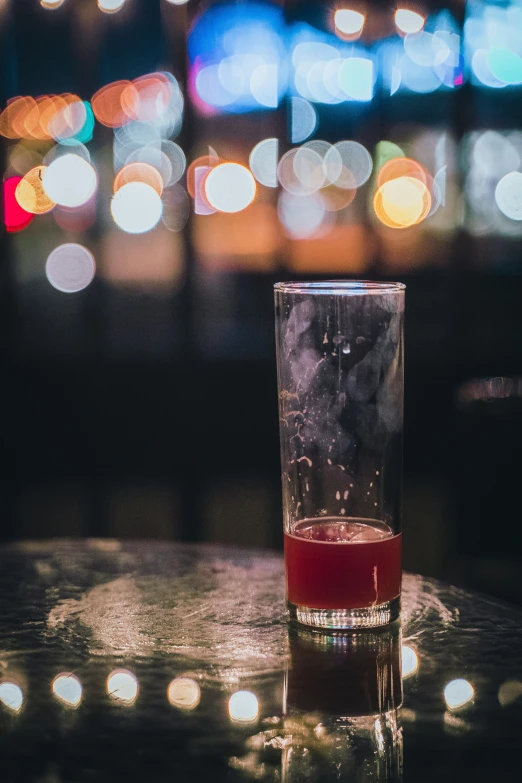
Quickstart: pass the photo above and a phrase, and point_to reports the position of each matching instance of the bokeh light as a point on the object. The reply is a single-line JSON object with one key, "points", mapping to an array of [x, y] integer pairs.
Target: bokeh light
{"points": [[122, 685], [302, 217], [31, 195], [110, 6], [11, 696], [69, 180], [509, 692], [68, 689], [458, 693], [402, 202], [357, 78], [70, 268], [408, 21], [139, 172], [263, 162], [401, 167], [50, 5], [15, 217], [176, 208], [508, 195], [410, 661], [230, 187], [78, 219], [184, 692], [107, 104], [303, 119], [136, 208], [13, 117], [349, 22], [243, 707], [348, 164]]}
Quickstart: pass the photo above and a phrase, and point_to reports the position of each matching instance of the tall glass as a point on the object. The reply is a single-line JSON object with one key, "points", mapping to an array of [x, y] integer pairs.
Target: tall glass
{"points": [[340, 378]]}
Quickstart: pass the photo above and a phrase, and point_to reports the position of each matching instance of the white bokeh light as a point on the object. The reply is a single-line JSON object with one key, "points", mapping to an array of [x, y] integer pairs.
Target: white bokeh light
{"points": [[136, 208], [230, 187], [508, 195], [263, 162], [11, 696], [303, 119], [69, 180], [408, 21], [70, 268], [302, 217], [110, 6], [458, 693], [349, 22], [122, 685], [68, 689], [410, 661], [184, 692], [243, 706]]}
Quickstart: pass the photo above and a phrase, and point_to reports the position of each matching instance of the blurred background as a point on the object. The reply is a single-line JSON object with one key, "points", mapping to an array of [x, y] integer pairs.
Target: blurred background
{"points": [[164, 163]]}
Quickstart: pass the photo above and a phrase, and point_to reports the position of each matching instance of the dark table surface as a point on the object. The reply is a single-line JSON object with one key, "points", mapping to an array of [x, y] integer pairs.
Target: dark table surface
{"points": [[164, 662]]}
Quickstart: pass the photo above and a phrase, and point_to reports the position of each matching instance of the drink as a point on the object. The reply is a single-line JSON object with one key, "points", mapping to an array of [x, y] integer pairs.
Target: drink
{"points": [[342, 563]]}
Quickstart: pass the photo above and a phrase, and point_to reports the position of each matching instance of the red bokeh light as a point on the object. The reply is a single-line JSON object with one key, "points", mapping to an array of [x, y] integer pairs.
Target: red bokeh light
{"points": [[15, 218]]}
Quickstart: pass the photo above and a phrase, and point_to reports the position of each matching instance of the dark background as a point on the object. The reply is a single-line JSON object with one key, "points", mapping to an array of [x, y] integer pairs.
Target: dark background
{"points": [[149, 408]]}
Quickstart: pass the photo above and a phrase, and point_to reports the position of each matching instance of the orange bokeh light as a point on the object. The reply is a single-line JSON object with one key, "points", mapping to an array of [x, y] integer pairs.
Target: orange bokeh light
{"points": [[107, 104], [401, 167], [204, 161], [139, 172], [146, 98], [13, 117]]}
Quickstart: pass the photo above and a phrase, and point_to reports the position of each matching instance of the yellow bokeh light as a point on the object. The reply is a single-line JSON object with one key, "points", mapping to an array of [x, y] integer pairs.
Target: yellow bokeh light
{"points": [[68, 689], [230, 187], [50, 5], [184, 692], [31, 195], [458, 694], [243, 707], [402, 202], [122, 685], [139, 172]]}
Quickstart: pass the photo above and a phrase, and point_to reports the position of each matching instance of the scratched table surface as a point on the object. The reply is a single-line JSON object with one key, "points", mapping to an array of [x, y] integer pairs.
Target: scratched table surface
{"points": [[166, 662]]}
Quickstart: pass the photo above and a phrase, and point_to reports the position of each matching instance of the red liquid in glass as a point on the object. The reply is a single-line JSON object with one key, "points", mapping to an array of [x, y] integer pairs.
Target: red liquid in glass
{"points": [[342, 563]]}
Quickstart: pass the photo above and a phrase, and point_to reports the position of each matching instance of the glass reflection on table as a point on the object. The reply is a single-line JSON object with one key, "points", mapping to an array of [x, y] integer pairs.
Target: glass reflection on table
{"points": [[341, 706]]}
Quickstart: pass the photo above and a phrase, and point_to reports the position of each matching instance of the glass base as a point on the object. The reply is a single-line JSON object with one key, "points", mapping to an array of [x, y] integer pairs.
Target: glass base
{"points": [[336, 619]]}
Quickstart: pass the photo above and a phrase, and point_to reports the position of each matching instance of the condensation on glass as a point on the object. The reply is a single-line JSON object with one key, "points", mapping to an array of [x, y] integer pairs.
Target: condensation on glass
{"points": [[340, 381]]}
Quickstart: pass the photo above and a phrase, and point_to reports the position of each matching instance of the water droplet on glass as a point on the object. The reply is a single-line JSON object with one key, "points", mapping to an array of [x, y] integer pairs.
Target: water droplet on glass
{"points": [[359, 340], [346, 348]]}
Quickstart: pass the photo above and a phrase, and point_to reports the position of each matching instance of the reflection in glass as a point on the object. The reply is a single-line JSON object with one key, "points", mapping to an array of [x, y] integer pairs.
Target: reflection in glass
{"points": [[11, 696], [122, 685], [243, 707], [68, 689], [342, 699], [184, 692], [458, 694]]}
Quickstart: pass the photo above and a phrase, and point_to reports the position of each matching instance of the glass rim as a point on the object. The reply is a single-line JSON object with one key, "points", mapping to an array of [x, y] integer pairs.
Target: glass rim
{"points": [[339, 287]]}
